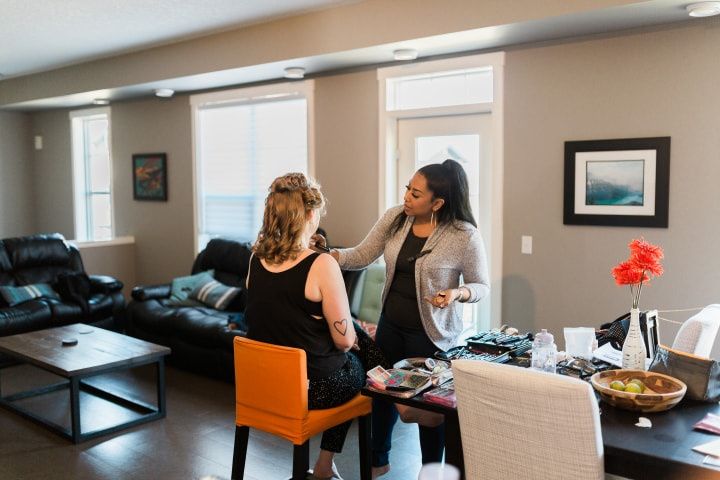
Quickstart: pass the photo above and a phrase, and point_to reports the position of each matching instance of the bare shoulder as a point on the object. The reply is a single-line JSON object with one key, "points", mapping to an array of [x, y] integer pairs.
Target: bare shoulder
{"points": [[325, 264]]}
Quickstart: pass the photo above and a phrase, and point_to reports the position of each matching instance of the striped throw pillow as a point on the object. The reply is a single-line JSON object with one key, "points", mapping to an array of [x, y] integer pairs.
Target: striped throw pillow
{"points": [[16, 295], [214, 294]]}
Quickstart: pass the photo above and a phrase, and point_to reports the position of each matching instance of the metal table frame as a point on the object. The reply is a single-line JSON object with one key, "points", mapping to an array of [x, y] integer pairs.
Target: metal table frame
{"points": [[76, 384]]}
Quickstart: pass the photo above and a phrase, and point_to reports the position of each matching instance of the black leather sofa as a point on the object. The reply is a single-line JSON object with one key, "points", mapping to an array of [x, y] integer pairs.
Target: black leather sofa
{"points": [[42, 259], [198, 336]]}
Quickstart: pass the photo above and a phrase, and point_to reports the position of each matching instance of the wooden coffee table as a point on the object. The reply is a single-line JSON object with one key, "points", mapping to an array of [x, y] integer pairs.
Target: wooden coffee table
{"points": [[97, 352]]}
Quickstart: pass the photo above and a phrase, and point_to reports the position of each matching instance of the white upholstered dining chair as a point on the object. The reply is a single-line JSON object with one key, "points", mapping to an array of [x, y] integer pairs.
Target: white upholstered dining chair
{"points": [[697, 335], [524, 424]]}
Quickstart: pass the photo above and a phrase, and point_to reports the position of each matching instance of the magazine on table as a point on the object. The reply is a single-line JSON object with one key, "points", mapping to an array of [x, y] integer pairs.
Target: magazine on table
{"points": [[397, 382]]}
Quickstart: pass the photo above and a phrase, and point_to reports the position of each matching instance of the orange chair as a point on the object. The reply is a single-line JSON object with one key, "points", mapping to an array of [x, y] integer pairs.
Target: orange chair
{"points": [[271, 394]]}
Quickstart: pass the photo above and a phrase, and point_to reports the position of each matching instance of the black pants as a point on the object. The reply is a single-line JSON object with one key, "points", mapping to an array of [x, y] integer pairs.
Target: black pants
{"points": [[343, 385], [398, 343]]}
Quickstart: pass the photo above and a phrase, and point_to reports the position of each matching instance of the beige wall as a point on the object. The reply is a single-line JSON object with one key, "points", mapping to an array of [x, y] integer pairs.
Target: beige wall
{"points": [[16, 200], [52, 174], [651, 83], [116, 260], [162, 230], [346, 139]]}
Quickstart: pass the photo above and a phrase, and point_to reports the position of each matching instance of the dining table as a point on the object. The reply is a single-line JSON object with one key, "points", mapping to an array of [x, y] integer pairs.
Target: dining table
{"points": [[661, 451]]}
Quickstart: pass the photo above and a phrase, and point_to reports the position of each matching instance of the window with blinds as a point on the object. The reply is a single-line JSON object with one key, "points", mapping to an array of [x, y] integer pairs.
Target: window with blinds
{"points": [[241, 147]]}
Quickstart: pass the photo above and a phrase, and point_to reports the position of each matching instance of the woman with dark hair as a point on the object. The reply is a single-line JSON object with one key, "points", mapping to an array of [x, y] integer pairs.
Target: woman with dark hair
{"points": [[435, 261], [296, 298]]}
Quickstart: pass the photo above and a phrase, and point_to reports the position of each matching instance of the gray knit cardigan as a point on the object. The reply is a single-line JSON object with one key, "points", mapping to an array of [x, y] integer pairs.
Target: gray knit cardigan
{"points": [[457, 250]]}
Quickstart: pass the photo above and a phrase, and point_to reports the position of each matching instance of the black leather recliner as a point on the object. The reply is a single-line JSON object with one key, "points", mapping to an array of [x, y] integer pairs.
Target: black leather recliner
{"points": [[42, 259], [198, 336]]}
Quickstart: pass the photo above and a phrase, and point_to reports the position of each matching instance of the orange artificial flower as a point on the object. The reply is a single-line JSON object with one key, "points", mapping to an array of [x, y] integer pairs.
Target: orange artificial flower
{"points": [[646, 256], [644, 261], [626, 273]]}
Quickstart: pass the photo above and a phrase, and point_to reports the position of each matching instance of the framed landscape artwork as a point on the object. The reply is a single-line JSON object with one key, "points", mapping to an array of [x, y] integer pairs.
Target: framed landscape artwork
{"points": [[623, 182], [150, 176]]}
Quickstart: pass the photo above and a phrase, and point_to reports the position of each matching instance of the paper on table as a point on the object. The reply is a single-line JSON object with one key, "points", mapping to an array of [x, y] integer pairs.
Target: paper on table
{"points": [[710, 448], [608, 354], [709, 423], [644, 422]]}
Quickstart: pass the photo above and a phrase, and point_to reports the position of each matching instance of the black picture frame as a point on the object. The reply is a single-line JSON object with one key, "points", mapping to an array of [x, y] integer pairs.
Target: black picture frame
{"points": [[621, 182], [150, 176]]}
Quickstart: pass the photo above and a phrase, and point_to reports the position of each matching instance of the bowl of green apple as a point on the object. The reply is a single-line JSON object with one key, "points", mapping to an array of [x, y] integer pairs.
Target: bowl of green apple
{"points": [[638, 390]]}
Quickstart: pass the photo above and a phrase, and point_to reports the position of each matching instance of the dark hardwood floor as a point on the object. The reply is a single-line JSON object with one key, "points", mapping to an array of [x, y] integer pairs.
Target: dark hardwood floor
{"points": [[195, 441]]}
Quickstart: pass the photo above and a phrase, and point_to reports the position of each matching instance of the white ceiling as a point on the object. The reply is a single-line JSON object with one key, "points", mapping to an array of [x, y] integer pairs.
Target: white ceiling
{"points": [[100, 28], [38, 35]]}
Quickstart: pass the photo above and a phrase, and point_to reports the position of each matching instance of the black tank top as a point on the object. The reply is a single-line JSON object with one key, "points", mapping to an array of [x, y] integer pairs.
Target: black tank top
{"points": [[401, 304], [277, 312]]}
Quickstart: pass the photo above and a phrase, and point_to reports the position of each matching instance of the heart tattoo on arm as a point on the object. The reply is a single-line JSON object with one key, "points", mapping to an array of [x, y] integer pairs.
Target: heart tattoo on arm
{"points": [[341, 326]]}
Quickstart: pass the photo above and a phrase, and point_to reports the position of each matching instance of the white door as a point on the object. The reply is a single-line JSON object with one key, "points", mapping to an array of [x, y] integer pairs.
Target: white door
{"points": [[468, 140]]}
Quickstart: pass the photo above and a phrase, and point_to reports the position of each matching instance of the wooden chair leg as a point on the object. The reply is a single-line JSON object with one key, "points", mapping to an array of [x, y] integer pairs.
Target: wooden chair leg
{"points": [[301, 460], [365, 447], [240, 452]]}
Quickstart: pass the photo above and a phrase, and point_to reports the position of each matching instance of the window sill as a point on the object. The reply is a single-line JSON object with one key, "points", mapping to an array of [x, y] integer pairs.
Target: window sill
{"points": [[129, 240]]}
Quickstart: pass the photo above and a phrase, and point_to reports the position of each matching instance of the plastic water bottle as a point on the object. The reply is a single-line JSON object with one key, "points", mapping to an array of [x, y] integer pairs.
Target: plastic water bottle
{"points": [[543, 352]]}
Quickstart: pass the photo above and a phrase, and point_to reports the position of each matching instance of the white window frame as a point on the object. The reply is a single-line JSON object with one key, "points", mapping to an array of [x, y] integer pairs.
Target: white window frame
{"points": [[388, 147], [261, 94], [79, 150]]}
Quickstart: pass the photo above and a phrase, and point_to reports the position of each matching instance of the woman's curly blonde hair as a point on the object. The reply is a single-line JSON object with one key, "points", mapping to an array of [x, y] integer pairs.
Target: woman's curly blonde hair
{"points": [[290, 199]]}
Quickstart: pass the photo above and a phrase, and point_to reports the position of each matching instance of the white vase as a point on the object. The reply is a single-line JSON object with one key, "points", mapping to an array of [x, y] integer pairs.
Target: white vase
{"points": [[633, 350]]}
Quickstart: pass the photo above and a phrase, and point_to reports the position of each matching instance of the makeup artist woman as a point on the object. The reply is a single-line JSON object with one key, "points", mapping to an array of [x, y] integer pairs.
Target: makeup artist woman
{"points": [[435, 261]]}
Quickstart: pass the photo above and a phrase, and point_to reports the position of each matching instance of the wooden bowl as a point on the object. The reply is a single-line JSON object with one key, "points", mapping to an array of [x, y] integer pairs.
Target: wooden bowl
{"points": [[662, 392]]}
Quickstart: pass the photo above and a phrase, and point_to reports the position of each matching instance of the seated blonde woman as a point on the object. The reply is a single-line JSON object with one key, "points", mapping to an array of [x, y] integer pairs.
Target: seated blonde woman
{"points": [[297, 298]]}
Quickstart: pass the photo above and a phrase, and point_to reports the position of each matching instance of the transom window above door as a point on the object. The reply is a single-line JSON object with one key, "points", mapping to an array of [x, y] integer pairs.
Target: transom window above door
{"points": [[465, 86]]}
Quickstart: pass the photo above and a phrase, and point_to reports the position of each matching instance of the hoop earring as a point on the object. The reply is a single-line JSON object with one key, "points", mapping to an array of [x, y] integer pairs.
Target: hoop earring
{"points": [[433, 222]]}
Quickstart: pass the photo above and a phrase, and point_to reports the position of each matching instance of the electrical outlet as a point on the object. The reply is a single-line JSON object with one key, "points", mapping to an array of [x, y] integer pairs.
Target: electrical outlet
{"points": [[526, 245]]}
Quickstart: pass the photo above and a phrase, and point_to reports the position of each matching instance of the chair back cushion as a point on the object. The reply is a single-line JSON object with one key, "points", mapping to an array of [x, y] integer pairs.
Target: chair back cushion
{"points": [[230, 261], [697, 335], [270, 379], [520, 423], [41, 258], [370, 306]]}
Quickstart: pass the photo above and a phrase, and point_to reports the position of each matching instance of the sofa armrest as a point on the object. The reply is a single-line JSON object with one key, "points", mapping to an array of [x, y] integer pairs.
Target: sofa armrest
{"points": [[151, 292], [104, 284]]}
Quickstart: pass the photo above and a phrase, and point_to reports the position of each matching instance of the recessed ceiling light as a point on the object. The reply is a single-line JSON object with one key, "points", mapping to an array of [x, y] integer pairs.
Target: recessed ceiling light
{"points": [[405, 54], [101, 101], [164, 92], [294, 72], [703, 9]]}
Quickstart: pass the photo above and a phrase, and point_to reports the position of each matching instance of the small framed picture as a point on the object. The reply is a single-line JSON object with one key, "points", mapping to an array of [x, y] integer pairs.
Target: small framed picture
{"points": [[150, 176], [623, 182]]}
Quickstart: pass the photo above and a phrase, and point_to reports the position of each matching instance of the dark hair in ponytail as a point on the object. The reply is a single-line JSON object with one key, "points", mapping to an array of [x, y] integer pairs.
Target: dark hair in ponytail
{"points": [[448, 181]]}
